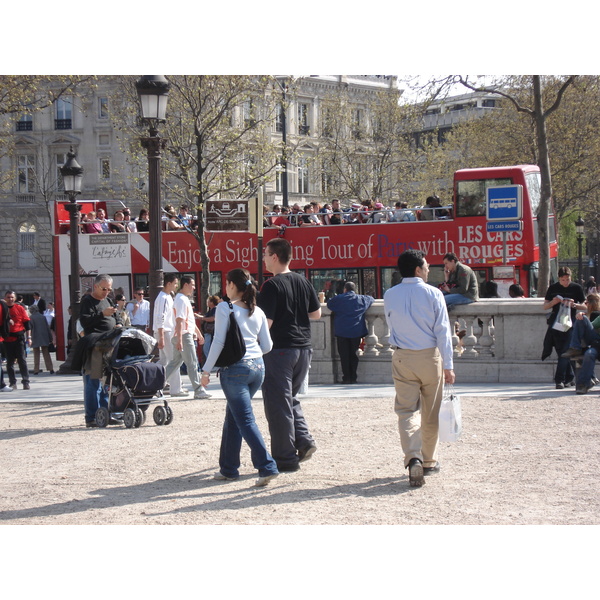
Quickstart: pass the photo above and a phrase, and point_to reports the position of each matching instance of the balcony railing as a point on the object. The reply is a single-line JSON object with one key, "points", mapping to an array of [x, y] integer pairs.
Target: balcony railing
{"points": [[25, 198], [62, 124], [24, 125]]}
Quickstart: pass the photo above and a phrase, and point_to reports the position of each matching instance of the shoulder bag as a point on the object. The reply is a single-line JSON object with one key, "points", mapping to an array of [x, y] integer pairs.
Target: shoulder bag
{"points": [[235, 346]]}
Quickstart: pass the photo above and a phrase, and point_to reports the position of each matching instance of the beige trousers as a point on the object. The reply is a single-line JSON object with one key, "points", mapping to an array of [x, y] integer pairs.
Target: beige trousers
{"points": [[419, 382]]}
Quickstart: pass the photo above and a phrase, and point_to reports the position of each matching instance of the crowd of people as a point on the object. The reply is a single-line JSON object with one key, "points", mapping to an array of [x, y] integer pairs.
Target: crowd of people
{"points": [[23, 328], [313, 213], [368, 211]]}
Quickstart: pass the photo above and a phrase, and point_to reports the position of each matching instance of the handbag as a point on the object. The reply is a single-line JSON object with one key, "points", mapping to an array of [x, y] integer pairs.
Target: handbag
{"points": [[563, 319], [235, 346], [450, 418]]}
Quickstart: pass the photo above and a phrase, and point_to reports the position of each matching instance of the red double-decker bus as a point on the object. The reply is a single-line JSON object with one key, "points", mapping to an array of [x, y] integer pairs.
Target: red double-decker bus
{"points": [[329, 255]]}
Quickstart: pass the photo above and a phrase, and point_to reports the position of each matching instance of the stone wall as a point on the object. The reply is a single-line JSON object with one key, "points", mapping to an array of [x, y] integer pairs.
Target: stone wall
{"points": [[503, 343]]}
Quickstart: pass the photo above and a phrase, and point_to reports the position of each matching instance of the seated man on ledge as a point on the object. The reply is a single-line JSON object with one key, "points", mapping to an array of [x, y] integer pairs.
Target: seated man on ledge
{"points": [[460, 286], [585, 333]]}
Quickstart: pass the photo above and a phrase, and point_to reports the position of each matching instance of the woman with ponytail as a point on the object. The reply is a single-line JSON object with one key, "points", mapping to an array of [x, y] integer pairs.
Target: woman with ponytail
{"points": [[241, 380]]}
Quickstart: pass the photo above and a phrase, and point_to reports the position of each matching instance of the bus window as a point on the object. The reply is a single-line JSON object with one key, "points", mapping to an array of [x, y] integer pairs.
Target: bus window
{"points": [[534, 190], [471, 196], [331, 281], [390, 276]]}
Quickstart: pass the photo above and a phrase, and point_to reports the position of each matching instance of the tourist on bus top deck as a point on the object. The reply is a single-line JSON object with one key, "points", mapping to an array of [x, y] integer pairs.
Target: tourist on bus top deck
{"points": [[460, 286], [431, 212]]}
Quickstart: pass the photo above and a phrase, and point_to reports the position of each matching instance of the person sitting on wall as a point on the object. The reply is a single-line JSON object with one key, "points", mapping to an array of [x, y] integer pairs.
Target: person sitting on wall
{"points": [[460, 286]]}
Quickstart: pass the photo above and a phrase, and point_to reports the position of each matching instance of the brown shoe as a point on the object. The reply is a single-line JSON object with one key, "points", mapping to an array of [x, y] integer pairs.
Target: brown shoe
{"points": [[572, 353], [26, 386]]}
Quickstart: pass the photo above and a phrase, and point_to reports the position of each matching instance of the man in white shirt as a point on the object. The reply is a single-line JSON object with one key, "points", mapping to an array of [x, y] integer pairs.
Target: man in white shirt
{"points": [[183, 338], [422, 362], [139, 311], [164, 328]]}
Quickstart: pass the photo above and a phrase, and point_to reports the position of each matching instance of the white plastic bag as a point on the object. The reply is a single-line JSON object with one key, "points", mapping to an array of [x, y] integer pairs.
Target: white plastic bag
{"points": [[563, 319], [450, 419]]}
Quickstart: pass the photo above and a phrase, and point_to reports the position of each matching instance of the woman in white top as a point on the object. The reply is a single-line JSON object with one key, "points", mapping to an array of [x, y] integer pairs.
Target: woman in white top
{"points": [[241, 380]]}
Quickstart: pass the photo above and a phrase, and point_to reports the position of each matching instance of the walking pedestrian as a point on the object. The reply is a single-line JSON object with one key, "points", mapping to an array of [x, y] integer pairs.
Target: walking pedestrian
{"points": [[184, 350], [41, 338], [164, 328], [420, 335], [17, 341], [241, 380], [289, 302]]}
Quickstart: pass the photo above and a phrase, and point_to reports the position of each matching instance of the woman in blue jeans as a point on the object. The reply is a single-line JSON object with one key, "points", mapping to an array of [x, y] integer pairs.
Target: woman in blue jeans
{"points": [[241, 380]]}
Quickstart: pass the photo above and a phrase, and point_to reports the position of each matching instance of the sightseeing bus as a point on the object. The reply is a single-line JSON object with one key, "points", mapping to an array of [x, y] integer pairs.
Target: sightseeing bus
{"points": [[329, 255]]}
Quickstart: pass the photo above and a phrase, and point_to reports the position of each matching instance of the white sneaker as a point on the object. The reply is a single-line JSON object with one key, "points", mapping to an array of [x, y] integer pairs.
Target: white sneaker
{"points": [[220, 477], [181, 394], [262, 481], [6, 388], [202, 394]]}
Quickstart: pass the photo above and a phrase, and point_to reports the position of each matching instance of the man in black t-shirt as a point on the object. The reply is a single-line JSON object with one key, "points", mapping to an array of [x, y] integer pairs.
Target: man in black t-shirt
{"points": [[563, 291], [289, 302]]}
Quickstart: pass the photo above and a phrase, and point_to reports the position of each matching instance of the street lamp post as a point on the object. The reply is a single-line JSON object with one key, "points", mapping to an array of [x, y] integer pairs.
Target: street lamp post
{"points": [[282, 83], [72, 176], [580, 229], [153, 92]]}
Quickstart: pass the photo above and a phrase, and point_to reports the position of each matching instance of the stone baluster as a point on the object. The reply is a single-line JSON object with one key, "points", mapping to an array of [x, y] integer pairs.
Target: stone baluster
{"points": [[384, 340], [470, 340], [371, 338], [486, 341]]}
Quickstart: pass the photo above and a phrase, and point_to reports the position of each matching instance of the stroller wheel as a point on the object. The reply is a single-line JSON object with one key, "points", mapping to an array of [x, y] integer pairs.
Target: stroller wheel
{"points": [[129, 418], [140, 417], [160, 415], [169, 418], [102, 417]]}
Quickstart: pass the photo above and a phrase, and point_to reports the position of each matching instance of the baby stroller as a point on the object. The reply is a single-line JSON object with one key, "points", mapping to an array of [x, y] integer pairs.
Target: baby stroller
{"points": [[133, 378]]}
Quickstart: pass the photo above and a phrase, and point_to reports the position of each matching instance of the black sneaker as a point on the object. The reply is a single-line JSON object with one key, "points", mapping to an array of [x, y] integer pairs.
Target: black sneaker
{"points": [[306, 453], [583, 389], [560, 386], [415, 473], [26, 386], [91, 424], [288, 468]]}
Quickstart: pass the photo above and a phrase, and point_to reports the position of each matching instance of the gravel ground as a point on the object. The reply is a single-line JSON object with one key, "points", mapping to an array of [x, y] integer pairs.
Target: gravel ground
{"points": [[531, 460]]}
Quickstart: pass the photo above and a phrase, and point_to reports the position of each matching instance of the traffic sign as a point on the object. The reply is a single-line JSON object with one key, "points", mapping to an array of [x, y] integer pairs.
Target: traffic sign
{"points": [[504, 226], [504, 203]]}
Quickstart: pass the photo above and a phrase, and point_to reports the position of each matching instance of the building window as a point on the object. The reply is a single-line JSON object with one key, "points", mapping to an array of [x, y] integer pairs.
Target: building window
{"points": [[279, 119], [303, 126], [105, 169], [64, 114], [303, 176], [25, 173], [357, 124], [249, 114], [25, 122], [26, 246], [60, 159], [103, 108]]}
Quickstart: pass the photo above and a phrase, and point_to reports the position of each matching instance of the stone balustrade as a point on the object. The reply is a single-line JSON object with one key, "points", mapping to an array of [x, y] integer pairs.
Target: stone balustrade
{"points": [[502, 343]]}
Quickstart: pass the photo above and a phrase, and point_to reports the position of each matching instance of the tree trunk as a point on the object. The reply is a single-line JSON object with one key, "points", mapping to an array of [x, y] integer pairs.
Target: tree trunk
{"points": [[546, 188]]}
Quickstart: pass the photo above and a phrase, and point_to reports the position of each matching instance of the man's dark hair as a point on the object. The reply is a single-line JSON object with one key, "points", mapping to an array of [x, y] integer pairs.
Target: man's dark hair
{"points": [[408, 262], [451, 256], [185, 279], [349, 286], [281, 248], [170, 277]]}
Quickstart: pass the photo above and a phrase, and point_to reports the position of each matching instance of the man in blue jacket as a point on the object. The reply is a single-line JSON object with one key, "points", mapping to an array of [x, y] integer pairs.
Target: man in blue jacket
{"points": [[349, 327]]}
